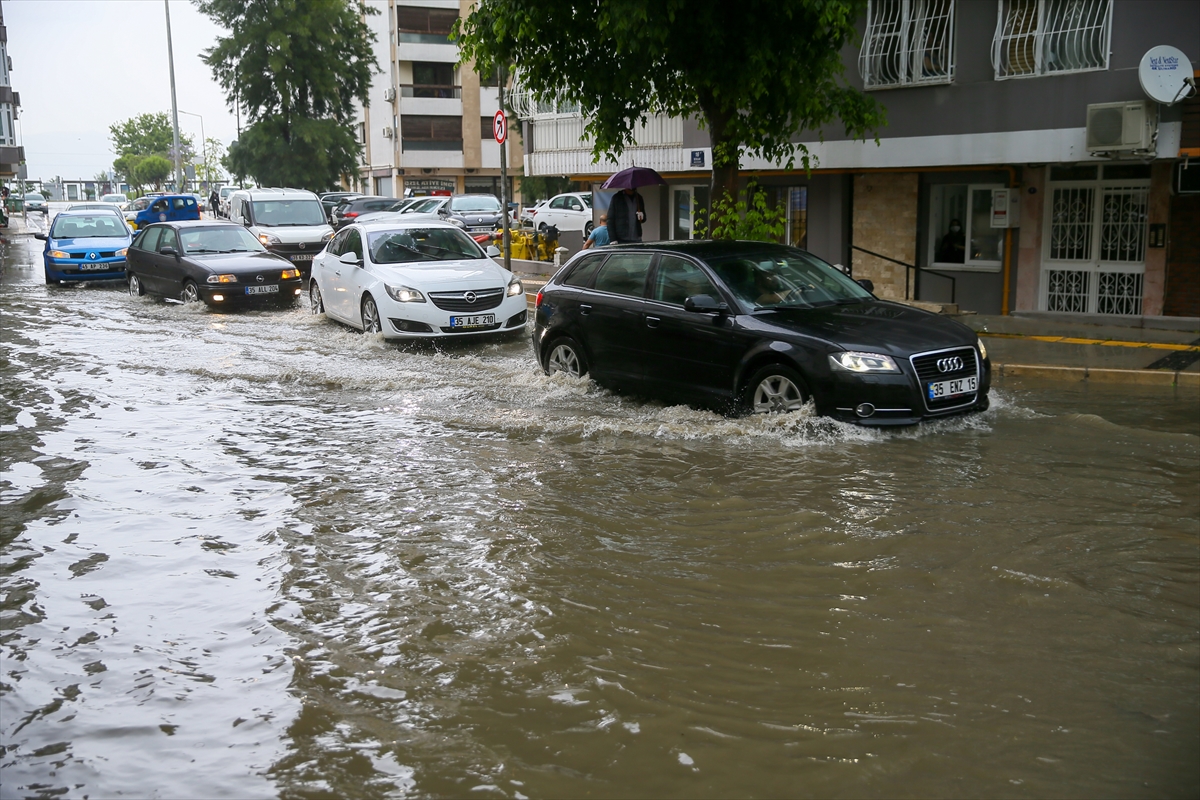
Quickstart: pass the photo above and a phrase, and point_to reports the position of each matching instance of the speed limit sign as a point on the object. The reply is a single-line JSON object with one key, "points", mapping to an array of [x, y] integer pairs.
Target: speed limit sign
{"points": [[500, 127]]}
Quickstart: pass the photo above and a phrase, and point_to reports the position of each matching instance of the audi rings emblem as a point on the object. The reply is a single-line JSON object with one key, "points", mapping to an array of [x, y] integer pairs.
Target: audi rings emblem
{"points": [[949, 364], [260, 278], [470, 297]]}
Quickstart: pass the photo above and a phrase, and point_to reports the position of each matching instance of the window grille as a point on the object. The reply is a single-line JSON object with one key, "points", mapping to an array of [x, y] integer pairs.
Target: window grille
{"points": [[1071, 224], [907, 42], [1123, 228], [1041, 37], [1068, 290], [1120, 293]]}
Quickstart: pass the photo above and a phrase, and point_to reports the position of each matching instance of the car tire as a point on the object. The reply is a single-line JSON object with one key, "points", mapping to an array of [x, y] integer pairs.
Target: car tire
{"points": [[135, 286], [316, 303], [370, 316], [190, 293], [565, 355], [49, 281], [772, 389], [542, 228], [587, 229]]}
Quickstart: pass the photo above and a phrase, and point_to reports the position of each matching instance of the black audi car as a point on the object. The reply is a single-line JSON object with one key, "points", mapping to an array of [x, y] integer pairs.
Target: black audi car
{"points": [[754, 327], [478, 213], [219, 263]]}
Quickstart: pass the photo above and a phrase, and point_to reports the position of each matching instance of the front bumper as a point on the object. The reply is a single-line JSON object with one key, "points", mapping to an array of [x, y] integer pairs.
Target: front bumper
{"points": [[73, 270], [427, 321], [897, 398], [218, 295], [301, 256]]}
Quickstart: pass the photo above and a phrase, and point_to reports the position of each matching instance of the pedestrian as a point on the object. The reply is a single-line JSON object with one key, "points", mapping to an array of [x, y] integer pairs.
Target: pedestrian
{"points": [[214, 204], [953, 249], [627, 213], [599, 235]]}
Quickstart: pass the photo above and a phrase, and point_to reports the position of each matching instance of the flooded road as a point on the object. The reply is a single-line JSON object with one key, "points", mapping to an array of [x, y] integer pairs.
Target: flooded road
{"points": [[260, 555]]}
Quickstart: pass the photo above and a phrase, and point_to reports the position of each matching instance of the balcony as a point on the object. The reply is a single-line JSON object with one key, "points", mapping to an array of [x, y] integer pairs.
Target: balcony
{"points": [[427, 98], [559, 146]]}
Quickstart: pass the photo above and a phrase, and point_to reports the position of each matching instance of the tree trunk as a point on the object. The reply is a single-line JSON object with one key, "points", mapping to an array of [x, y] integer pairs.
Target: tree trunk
{"points": [[725, 157]]}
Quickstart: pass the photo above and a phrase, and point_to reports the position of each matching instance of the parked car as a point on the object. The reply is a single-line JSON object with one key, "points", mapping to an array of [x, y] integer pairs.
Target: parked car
{"points": [[350, 208], [478, 212], [412, 280], [118, 200], [754, 327], [218, 263], [85, 245], [166, 208], [330, 200], [395, 208], [34, 201], [571, 211], [223, 208], [201, 202], [530, 212], [288, 222], [427, 207]]}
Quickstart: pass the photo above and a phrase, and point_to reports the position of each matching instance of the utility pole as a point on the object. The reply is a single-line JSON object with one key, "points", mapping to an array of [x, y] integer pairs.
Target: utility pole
{"points": [[203, 147], [174, 105], [506, 237]]}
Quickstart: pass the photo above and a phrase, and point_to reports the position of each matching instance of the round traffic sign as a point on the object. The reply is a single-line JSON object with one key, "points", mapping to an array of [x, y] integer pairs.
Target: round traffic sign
{"points": [[500, 127]]}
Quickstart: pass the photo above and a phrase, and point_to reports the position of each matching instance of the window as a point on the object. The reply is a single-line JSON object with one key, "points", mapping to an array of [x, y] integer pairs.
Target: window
{"points": [[432, 79], [383, 188], [353, 244], [907, 42], [485, 128], [559, 202], [148, 241], [961, 235], [420, 132], [1043, 37], [581, 274], [169, 239], [677, 279], [794, 201], [625, 274], [425, 25], [338, 242]]}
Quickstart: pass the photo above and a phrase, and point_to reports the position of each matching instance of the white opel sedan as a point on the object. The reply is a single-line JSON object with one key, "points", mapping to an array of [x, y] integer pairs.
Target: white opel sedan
{"points": [[415, 280]]}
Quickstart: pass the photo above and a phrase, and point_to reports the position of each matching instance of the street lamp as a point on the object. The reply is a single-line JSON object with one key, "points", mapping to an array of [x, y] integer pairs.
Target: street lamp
{"points": [[174, 105], [203, 141]]}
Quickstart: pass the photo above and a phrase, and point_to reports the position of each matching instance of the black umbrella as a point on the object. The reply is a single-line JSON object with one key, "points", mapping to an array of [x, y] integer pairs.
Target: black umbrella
{"points": [[632, 178]]}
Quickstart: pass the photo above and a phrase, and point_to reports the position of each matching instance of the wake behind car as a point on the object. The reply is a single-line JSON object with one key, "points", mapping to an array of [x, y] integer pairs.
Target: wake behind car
{"points": [[288, 222], [754, 327], [85, 245], [415, 280], [219, 263]]}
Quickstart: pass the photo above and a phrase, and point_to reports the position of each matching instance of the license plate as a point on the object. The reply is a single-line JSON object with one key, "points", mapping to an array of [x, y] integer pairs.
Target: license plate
{"points": [[474, 321], [305, 257], [943, 389], [272, 288], [482, 229], [96, 267]]}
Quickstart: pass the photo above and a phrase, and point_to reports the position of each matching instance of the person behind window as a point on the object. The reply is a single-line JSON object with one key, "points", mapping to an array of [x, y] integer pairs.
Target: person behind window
{"points": [[599, 235], [953, 249]]}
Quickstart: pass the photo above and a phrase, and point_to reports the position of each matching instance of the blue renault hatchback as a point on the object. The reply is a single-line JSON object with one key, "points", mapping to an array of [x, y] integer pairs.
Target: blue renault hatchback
{"points": [[86, 245]]}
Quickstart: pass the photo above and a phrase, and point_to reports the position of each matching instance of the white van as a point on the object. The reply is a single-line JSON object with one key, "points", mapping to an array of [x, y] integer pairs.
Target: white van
{"points": [[289, 222]]}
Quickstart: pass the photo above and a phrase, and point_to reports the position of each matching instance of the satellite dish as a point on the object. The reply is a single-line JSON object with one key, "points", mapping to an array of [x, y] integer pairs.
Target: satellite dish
{"points": [[1166, 75]]}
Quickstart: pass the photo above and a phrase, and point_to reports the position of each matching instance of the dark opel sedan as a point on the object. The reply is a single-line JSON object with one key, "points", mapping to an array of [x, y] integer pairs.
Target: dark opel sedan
{"points": [[754, 327], [219, 263]]}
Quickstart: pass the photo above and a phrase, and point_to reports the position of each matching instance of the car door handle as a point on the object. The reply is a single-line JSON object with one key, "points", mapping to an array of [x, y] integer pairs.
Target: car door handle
{"points": [[652, 322], [584, 309]]}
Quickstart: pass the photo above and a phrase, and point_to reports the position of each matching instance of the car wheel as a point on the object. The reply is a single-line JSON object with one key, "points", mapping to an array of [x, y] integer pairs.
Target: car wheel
{"points": [[566, 356], [315, 302], [370, 316], [49, 281], [587, 229], [774, 389], [135, 286], [542, 228], [190, 294]]}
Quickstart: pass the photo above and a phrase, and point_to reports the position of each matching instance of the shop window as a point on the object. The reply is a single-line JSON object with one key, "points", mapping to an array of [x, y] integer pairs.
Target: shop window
{"points": [[1045, 37], [961, 235], [907, 42]]}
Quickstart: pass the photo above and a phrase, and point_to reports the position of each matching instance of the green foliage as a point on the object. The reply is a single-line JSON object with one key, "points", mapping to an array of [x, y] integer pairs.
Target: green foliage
{"points": [[208, 167], [152, 171], [755, 74], [146, 134], [750, 217], [296, 67], [126, 168], [307, 153], [539, 187]]}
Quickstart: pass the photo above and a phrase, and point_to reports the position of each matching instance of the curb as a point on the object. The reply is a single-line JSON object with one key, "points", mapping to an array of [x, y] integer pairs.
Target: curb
{"points": [[1142, 377]]}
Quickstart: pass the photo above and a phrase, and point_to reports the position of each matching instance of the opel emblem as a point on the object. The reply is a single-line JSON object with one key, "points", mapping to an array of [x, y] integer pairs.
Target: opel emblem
{"points": [[260, 280], [303, 245], [470, 297], [949, 364]]}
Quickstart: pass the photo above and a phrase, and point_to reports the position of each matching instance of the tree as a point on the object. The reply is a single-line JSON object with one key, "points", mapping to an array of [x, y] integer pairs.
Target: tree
{"points": [[754, 74], [126, 167], [296, 67], [208, 169], [145, 135], [153, 171]]}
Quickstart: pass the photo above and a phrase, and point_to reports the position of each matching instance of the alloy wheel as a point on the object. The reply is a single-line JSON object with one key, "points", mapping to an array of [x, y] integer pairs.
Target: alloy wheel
{"points": [[564, 359], [190, 293], [315, 301], [777, 394], [370, 316]]}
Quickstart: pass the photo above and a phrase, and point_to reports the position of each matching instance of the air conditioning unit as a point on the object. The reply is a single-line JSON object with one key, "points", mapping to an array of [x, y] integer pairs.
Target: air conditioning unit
{"points": [[389, 133], [389, 94], [1120, 127]]}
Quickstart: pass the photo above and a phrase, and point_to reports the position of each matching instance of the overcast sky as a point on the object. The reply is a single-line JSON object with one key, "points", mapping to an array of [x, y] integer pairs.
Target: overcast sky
{"points": [[81, 65]]}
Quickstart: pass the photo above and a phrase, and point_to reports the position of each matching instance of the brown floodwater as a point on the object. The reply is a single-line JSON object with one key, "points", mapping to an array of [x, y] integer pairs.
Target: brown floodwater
{"points": [[260, 555]]}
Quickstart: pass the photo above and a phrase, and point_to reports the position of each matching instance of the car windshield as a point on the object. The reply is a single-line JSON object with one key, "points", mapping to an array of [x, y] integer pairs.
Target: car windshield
{"points": [[488, 205], [424, 206], [226, 191], [113, 198], [34, 196], [786, 278], [283, 213], [421, 244], [87, 226], [223, 239]]}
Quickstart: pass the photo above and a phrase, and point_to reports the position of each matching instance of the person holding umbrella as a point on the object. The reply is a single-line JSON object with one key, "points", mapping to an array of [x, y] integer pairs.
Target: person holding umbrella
{"points": [[627, 211]]}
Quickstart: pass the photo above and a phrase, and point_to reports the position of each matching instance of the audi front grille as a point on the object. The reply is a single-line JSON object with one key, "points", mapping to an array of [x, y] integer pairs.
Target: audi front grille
{"points": [[944, 365]]}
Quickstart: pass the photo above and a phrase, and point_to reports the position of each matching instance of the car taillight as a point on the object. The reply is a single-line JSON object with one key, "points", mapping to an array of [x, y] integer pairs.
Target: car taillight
{"points": [[538, 303], [532, 213], [350, 214]]}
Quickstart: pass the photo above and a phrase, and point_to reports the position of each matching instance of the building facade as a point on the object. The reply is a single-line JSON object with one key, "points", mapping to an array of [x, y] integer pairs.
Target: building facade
{"points": [[985, 188], [12, 154], [427, 128]]}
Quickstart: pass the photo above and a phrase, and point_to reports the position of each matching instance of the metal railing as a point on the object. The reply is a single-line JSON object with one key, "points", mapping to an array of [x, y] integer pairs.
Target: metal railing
{"points": [[913, 268], [435, 90]]}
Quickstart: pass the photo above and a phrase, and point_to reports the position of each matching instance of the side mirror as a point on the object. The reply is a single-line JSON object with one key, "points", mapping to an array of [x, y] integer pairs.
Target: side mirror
{"points": [[492, 251], [169, 251], [41, 236], [703, 304], [350, 259], [246, 223], [867, 284]]}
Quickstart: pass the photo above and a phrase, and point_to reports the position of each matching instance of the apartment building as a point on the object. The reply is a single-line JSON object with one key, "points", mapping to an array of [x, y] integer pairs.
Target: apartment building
{"points": [[12, 154], [427, 128], [989, 187]]}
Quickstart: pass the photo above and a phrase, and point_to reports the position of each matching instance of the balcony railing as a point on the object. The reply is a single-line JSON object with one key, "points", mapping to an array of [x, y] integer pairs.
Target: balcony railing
{"points": [[430, 90]]}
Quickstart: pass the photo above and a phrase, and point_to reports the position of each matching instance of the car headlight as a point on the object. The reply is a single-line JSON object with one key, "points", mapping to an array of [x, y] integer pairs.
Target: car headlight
{"points": [[122, 252], [59, 254], [267, 238], [851, 361], [222, 278], [515, 288], [458, 223], [982, 349], [403, 294], [327, 237], [287, 274]]}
